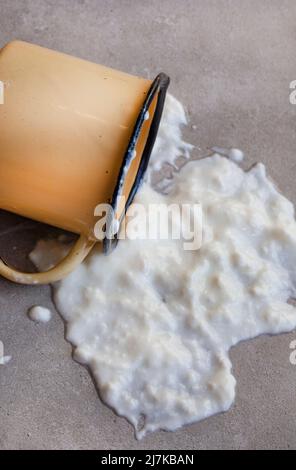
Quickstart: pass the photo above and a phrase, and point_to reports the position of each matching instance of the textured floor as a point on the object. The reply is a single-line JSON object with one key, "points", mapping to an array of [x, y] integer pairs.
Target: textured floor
{"points": [[231, 62]]}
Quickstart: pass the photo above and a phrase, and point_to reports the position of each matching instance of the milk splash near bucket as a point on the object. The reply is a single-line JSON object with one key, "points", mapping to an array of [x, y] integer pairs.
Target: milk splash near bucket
{"points": [[73, 135]]}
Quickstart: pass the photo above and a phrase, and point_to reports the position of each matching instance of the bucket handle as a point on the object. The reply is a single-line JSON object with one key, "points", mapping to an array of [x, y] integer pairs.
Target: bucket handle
{"points": [[77, 253]]}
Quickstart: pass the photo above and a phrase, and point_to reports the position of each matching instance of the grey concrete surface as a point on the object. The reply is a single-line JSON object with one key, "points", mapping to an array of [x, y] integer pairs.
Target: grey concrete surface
{"points": [[231, 62]]}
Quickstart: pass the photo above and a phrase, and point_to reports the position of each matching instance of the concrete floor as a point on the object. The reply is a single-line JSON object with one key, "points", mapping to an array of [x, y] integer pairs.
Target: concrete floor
{"points": [[230, 62]]}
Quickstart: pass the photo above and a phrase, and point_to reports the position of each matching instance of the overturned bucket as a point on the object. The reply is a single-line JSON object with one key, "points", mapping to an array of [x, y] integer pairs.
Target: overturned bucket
{"points": [[74, 134]]}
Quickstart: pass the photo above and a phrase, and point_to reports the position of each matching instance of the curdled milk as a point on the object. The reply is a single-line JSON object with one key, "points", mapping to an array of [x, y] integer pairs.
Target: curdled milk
{"points": [[154, 322]]}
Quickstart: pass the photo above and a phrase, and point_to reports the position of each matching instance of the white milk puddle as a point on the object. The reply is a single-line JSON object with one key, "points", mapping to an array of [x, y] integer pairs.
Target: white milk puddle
{"points": [[236, 155], [154, 322], [4, 360], [39, 314]]}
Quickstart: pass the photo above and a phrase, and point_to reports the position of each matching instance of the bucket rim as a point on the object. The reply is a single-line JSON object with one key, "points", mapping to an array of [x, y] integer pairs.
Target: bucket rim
{"points": [[158, 87]]}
